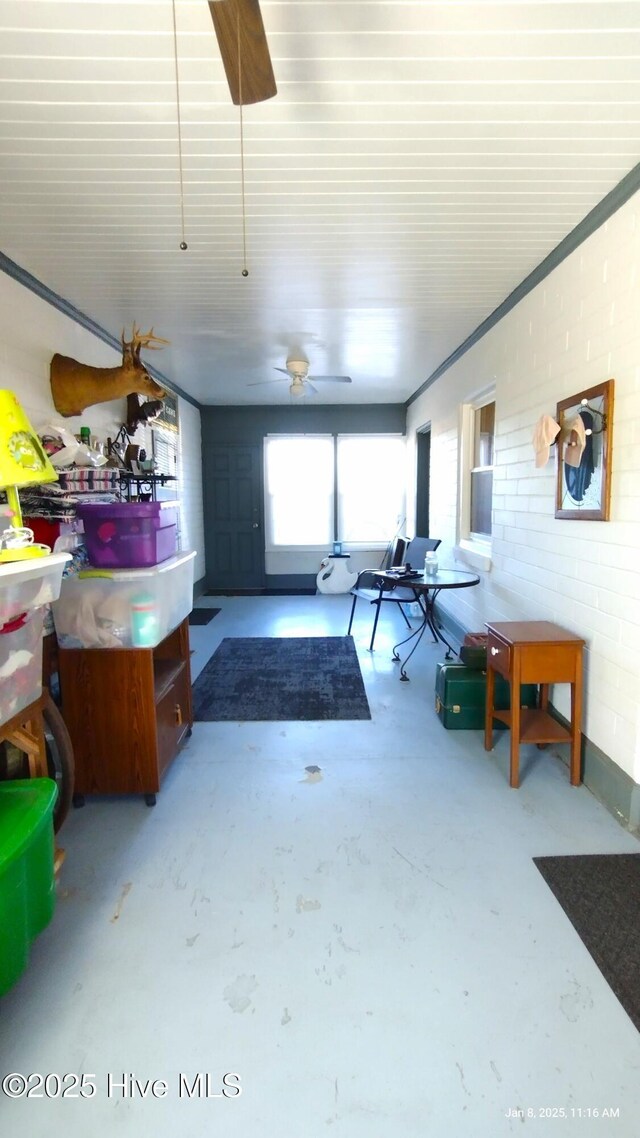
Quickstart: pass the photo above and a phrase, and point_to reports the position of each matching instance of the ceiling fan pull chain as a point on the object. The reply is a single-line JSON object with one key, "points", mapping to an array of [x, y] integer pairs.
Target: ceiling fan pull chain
{"points": [[245, 271], [183, 243]]}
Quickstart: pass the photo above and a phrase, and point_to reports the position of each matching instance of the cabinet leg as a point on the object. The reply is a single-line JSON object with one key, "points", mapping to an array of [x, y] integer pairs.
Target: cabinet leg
{"points": [[150, 799]]}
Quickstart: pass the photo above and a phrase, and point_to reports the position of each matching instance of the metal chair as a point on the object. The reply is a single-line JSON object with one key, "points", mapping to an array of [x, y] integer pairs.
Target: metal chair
{"points": [[372, 588]]}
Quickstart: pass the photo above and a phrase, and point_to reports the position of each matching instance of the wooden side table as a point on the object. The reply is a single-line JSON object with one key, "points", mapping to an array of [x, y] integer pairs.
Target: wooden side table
{"points": [[534, 652]]}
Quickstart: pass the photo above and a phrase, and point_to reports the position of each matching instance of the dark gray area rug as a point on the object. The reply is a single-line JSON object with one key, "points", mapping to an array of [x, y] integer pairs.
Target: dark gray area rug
{"points": [[202, 616], [600, 893], [296, 677]]}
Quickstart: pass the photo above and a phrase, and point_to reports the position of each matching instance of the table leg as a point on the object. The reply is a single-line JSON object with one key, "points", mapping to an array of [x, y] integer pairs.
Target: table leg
{"points": [[416, 636], [488, 709], [576, 723], [514, 750]]}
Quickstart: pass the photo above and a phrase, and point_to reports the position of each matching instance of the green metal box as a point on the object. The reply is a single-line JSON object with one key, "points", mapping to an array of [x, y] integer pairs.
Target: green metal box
{"points": [[27, 882], [461, 693]]}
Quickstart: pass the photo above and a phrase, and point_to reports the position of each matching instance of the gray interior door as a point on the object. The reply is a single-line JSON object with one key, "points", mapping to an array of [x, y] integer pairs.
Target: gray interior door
{"points": [[233, 522]]}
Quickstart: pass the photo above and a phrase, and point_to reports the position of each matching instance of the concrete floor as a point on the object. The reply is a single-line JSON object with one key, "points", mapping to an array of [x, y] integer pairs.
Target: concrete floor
{"points": [[373, 951]]}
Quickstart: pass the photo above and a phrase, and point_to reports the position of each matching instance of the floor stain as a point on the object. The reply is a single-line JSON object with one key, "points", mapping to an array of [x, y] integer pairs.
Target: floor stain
{"points": [[464, 1085], [238, 995], [126, 888], [304, 906], [314, 774], [495, 1071], [191, 940], [286, 1018], [406, 859], [577, 1000]]}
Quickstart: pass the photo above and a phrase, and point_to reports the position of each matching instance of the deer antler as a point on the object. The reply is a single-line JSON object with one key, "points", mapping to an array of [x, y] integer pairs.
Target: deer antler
{"points": [[142, 340]]}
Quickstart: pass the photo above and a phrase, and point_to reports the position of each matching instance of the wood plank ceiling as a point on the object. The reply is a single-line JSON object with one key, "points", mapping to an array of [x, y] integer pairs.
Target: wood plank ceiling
{"points": [[419, 160]]}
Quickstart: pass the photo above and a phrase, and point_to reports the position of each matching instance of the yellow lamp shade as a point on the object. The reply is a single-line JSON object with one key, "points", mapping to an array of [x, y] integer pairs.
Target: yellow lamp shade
{"points": [[22, 459]]}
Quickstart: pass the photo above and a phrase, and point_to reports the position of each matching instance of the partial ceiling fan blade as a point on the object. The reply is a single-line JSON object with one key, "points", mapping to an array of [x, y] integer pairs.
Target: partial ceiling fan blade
{"points": [[264, 382], [257, 81], [309, 386], [331, 378], [283, 370]]}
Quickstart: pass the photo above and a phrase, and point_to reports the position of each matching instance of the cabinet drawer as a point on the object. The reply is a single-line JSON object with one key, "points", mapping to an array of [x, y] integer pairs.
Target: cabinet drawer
{"points": [[499, 655]]}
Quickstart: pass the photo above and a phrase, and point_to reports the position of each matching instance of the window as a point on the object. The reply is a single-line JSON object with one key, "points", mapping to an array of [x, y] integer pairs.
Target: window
{"points": [[321, 488], [371, 484], [165, 450], [482, 471], [477, 430], [299, 490]]}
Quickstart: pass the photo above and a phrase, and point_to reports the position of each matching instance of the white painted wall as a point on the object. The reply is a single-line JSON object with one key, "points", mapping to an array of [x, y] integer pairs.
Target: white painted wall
{"points": [[580, 326], [31, 331]]}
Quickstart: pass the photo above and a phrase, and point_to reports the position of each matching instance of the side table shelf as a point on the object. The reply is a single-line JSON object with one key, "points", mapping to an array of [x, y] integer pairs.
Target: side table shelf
{"points": [[128, 711]]}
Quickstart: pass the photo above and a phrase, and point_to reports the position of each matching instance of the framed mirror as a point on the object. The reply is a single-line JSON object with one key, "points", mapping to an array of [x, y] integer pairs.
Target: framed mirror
{"points": [[583, 484]]}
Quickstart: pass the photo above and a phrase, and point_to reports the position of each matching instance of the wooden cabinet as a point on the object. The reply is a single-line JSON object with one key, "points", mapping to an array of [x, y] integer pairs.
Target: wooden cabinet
{"points": [[128, 710], [534, 652]]}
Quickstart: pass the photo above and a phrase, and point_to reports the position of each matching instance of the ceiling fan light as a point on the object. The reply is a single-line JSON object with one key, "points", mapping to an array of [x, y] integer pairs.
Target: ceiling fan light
{"points": [[298, 367], [296, 389]]}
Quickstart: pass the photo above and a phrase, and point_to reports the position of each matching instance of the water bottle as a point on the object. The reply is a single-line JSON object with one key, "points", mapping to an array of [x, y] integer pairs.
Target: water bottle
{"points": [[430, 564], [144, 622]]}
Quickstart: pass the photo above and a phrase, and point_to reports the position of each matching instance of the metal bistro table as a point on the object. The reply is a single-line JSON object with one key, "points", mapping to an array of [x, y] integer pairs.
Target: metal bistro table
{"points": [[426, 591]]}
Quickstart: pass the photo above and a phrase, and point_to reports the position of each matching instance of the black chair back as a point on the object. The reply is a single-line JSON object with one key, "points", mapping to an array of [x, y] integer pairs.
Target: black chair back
{"points": [[416, 549]]}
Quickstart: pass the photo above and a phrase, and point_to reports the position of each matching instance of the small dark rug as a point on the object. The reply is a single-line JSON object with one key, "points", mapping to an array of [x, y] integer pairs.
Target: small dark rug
{"points": [[296, 677], [202, 616], [600, 893]]}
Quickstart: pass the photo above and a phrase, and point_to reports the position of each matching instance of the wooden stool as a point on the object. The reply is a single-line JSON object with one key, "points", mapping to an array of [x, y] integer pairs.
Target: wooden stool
{"points": [[26, 732]]}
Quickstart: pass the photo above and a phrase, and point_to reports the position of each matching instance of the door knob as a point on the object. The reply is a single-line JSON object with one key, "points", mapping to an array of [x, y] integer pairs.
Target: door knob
{"points": [[256, 525], [494, 651]]}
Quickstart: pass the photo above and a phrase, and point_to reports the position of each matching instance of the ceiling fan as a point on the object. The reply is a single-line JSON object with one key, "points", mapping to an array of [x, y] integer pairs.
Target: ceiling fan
{"points": [[297, 371], [245, 53]]}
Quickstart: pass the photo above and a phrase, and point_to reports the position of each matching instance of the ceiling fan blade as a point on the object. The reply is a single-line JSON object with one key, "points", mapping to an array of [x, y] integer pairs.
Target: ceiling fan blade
{"points": [[254, 81], [282, 369], [331, 378], [264, 382], [310, 388]]}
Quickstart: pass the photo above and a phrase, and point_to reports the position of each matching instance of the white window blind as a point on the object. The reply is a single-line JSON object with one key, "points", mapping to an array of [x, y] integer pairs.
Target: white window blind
{"points": [[299, 481], [371, 487]]}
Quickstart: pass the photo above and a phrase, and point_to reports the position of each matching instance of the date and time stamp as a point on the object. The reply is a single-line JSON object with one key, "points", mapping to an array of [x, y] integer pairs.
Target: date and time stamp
{"points": [[559, 1112]]}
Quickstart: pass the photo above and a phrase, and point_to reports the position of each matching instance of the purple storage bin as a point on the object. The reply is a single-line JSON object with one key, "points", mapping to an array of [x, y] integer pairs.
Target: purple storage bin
{"points": [[129, 535]]}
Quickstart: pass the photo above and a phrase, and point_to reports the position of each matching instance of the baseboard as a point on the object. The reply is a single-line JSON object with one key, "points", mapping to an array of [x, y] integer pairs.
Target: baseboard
{"points": [[199, 588], [444, 619], [612, 786]]}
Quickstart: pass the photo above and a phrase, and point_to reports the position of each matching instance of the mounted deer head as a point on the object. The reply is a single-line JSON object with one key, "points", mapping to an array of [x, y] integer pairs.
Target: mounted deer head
{"points": [[76, 386]]}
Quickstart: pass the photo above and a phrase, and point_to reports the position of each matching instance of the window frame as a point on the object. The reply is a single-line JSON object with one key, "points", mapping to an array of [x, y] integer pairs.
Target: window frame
{"points": [[472, 548]]}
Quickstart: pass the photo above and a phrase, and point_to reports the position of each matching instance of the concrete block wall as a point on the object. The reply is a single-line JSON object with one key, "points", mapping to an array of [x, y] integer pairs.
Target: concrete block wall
{"points": [[578, 327], [31, 331]]}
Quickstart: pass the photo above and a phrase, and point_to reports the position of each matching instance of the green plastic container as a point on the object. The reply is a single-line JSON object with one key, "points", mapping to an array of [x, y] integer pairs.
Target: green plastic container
{"points": [[461, 696], [27, 883]]}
